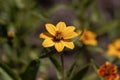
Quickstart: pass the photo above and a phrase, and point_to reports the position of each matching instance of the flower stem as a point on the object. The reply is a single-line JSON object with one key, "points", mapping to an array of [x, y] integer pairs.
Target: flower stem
{"points": [[62, 66]]}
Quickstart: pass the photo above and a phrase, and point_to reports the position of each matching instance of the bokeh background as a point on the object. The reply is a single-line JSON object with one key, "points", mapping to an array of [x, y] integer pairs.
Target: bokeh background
{"points": [[21, 22]]}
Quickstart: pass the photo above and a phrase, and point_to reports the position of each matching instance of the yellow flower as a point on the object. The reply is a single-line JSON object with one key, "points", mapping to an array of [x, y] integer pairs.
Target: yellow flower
{"points": [[114, 48], [108, 71], [58, 36], [88, 38]]}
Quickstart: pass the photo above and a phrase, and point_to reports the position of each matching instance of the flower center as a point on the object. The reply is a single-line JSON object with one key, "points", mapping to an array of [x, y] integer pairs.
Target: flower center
{"points": [[58, 36], [109, 70], [86, 37], [118, 49]]}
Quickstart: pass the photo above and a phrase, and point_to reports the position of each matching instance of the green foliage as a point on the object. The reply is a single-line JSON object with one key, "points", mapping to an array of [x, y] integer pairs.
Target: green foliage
{"points": [[8, 71], [32, 70], [21, 52], [80, 74]]}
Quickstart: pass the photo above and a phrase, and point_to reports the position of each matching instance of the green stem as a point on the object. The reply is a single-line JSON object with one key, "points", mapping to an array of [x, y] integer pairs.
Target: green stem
{"points": [[62, 65]]}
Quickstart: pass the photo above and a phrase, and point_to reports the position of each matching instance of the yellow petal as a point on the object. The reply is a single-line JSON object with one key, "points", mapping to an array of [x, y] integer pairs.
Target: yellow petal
{"points": [[69, 30], [48, 43], [70, 35], [88, 35], [111, 50], [61, 26], [93, 42], [91, 34], [45, 35], [51, 29], [59, 46], [116, 43], [69, 44], [90, 42]]}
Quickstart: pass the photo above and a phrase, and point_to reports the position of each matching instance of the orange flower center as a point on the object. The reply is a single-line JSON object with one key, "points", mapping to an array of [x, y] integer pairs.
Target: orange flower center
{"points": [[86, 37], [108, 71], [118, 49], [58, 36]]}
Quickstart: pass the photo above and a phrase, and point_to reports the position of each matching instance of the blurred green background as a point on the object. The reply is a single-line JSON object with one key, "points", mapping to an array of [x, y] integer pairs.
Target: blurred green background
{"points": [[21, 22]]}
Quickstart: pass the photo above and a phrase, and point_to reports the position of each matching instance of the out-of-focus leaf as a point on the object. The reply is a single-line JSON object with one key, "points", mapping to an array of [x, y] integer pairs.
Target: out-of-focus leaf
{"points": [[95, 49], [96, 16], [48, 54], [4, 75], [88, 3], [57, 66], [19, 3], [3, 31], [52, 58], [9, 71], [70, 70], [81, 73], [95, 67], [2, 21], [31, 71], [106, 27], [41, 16], [91, 76], [8, 53], [55, 62], [94, 64], [101, 51]]}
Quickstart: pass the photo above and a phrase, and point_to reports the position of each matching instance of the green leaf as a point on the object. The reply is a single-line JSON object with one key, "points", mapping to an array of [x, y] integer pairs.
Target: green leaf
{"points": [[106, 27], [9, 71], [70, 70], [95, 67], [19, 4], [81, 73], [94, 64], [48, 54], [4, 75], [52, 58], [88, 3], [90, 76], [55, 62], [31, 71]]}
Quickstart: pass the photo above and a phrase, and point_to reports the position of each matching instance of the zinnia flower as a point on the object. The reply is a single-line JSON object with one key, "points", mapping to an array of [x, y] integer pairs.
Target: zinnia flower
{"points": [[58, 36], [108, 71], [114, 48], [88, 38]]}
